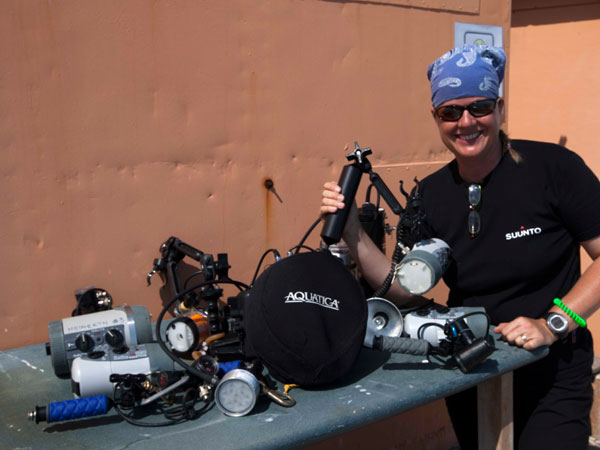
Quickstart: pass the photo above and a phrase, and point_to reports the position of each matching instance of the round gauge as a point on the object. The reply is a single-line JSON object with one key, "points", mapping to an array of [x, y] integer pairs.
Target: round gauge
{"points": [[182, 334], [236, 393], [206, 364]]}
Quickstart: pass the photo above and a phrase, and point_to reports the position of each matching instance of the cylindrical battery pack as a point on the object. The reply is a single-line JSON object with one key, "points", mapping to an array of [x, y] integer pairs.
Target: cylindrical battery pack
{"points": [[335, 222]]}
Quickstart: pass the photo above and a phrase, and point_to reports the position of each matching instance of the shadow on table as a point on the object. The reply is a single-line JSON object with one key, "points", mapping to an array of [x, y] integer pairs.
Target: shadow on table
{"points": [[80, 424], [488, 366]]}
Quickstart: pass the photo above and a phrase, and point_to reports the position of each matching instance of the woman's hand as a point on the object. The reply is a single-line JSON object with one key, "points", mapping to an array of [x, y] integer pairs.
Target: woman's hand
{"points": [[332, 199], [526, 333]]}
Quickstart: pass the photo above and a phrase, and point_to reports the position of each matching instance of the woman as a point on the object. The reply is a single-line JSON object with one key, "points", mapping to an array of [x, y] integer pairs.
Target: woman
{"points": [[515, 214]]}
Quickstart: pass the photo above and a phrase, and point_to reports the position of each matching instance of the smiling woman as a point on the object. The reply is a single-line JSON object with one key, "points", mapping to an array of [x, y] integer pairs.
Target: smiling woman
{"points": [[473, 139], [514, 274], [468, 111], [515, 223]]}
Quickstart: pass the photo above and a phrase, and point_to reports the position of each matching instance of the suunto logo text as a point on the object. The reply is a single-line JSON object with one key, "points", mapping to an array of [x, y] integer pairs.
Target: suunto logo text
{"points": [[309, 297], [523, 232]]}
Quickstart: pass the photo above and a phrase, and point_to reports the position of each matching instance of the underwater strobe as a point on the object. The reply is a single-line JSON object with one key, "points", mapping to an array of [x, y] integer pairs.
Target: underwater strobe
{"points": [[423, 266]]}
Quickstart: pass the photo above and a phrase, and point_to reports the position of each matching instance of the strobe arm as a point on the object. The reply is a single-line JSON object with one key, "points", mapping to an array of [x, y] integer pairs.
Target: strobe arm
{"points": [[174, 250], [385, 192]]}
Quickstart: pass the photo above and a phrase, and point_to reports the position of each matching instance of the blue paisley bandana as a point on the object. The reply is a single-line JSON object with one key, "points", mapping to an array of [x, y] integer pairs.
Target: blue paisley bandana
{"points": [[467, 71]]}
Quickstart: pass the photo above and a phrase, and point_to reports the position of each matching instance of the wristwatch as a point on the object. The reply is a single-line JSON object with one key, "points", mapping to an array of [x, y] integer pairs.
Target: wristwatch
{"points": [[558, 324]]}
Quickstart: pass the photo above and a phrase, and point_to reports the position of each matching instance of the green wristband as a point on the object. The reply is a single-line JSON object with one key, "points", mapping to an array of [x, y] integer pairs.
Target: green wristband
{"points": [[578, 320]]}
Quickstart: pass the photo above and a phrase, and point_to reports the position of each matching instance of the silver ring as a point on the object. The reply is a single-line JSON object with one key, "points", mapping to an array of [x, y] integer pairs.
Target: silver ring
{"points": [[524, 338]]}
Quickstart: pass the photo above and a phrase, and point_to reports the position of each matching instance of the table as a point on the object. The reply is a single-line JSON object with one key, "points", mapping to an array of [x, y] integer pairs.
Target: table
{"points": [[380, 385]]}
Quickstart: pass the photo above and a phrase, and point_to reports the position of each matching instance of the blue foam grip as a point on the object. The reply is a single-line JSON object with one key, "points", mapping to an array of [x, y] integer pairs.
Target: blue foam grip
{"points": [[77, 408]]}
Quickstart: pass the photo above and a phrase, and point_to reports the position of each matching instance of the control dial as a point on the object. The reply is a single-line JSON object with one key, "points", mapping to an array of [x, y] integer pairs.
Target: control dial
{"points": [[114, 338], [84, 342]]}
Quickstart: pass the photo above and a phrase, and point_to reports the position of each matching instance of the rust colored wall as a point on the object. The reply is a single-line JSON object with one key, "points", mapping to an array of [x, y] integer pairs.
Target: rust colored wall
{"points": [[126, 123], [554, 67]]}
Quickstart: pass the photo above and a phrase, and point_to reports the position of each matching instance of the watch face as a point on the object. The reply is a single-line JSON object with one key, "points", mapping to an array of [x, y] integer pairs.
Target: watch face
{"points": [[557, 323]]}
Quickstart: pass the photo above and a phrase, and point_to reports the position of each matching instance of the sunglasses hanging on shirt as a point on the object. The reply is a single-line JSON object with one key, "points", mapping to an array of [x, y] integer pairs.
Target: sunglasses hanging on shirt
{"points": [[474, 219]]}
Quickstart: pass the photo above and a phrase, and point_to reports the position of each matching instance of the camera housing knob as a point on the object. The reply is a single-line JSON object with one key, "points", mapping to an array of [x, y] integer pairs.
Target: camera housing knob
{"points": [[84, 342]]}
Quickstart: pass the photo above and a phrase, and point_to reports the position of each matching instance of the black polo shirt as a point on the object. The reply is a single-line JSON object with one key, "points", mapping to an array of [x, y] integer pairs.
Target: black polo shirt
{"points": [[533, 216]]}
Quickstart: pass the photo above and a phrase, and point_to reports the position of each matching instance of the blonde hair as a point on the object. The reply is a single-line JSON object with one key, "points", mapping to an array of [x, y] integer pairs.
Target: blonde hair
{"points": [[507, 147]]}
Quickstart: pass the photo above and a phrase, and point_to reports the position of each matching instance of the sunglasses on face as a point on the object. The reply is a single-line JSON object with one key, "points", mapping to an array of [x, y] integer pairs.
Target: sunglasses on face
{"points": [[479, 108]]}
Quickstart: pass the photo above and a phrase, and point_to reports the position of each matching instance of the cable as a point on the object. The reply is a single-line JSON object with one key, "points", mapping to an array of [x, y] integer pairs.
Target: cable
{"points": [[186, 411], [312, 227], [238, 284], [177, 414], [183, 417], [131, 420], [298, 247], [241, 286], [277, 258], [396, 258], [423, 327], [195, 274], [368, 195], [139, 423]]}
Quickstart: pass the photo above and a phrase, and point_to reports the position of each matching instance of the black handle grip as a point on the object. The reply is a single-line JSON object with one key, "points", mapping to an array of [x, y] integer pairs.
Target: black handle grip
{"points": [[335, 222], [403, 345]]}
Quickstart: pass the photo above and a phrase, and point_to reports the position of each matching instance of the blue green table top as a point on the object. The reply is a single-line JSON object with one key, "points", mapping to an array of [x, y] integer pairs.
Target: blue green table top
{"points": [[380, 385]]}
